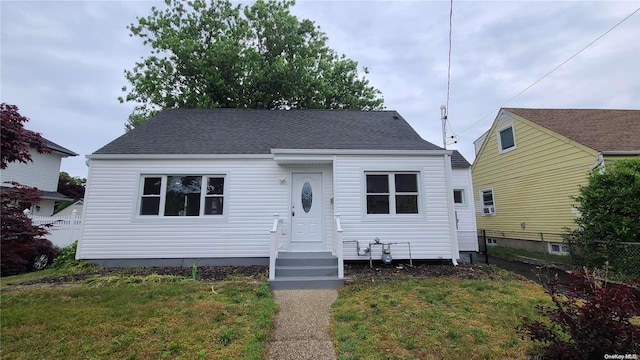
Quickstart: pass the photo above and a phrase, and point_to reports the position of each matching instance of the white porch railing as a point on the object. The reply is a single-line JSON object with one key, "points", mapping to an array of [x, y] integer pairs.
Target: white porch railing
{"points": [[275, 234], [338, 247], [65, 229]]}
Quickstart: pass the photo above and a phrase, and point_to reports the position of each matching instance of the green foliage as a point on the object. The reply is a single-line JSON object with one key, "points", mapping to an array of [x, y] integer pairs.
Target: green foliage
{"points": [[194, 270], [209, 54], [610, 208], [72, 186], [98, 280], [66, 259]]}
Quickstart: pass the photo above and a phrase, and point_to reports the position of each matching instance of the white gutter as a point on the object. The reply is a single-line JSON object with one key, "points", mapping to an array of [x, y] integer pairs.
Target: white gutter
{"points": [[455, 252], [176, 156], [280, 152], [360, 152]]}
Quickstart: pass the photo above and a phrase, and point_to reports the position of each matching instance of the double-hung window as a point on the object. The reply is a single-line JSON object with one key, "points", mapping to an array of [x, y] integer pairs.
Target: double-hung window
{"points": [[182, 195], [392, 193]]}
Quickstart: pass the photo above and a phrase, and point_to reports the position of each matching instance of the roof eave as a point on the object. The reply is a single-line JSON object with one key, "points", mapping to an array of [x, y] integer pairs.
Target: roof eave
{"points": [[360, 152]]}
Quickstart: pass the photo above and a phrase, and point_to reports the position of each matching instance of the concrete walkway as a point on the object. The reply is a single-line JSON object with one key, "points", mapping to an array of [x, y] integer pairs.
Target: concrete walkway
{"points": [[302, 325]]}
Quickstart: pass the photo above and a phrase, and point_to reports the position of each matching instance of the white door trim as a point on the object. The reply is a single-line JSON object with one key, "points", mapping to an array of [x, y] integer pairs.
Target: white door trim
{"points": [[307, 220]]}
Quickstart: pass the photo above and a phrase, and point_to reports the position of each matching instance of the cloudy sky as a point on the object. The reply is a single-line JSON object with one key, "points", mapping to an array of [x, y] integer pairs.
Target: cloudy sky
{"points": [[62, 62]]}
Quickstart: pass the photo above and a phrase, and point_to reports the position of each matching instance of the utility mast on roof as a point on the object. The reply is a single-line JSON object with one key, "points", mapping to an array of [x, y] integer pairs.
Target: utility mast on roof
{"points": [[443, 117]]}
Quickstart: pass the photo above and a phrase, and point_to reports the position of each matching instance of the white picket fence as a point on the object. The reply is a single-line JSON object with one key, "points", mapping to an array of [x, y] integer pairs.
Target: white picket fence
{"points": [[65, 229]]}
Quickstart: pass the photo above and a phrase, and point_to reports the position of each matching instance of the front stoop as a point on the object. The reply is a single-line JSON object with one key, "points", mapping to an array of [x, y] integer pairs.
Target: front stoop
{"points": [[306, 271]]}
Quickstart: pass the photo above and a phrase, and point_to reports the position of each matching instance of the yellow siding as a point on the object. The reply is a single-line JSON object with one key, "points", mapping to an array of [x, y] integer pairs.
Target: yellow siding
{"points": [[532, 183]]}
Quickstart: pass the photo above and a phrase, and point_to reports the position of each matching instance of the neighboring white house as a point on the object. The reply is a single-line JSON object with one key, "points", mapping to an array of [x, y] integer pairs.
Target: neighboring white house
{"points": [[42, 173], [464, 205], [75, 208], [234, 186]]}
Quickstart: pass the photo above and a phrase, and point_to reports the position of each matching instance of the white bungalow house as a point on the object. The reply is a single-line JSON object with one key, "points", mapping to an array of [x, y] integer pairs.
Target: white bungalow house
{"points": [[43, 173], [300, 190]]}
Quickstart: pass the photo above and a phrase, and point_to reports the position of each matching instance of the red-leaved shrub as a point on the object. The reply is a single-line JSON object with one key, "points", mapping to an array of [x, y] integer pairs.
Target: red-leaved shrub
{"points": [[590, 318]]}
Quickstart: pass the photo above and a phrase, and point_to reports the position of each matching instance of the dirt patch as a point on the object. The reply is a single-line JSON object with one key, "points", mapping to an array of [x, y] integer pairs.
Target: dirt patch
{"points": [[204, 273], [360, 271], [353, 271]]}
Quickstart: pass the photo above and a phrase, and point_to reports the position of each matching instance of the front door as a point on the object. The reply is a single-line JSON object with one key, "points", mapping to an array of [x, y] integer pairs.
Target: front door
{"points": [[306, 212]]}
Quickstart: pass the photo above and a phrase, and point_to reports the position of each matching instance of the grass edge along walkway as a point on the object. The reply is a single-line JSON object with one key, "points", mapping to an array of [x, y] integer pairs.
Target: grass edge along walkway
{"points": [[434, 318]]}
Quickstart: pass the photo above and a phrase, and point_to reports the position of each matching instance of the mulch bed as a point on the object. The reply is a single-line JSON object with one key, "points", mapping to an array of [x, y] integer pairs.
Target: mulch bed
{"points": [[353, 271], [361, 272]]}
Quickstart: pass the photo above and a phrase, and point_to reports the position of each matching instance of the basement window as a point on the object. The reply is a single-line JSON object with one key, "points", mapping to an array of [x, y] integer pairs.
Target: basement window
{"points": [[558, 249]]}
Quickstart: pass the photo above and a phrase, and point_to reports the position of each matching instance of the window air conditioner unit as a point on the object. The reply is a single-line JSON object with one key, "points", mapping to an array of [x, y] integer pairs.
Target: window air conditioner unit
{"points": [[489, 210]]}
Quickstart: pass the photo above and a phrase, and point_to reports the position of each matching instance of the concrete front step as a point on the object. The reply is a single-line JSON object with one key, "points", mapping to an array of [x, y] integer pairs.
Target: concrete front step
{"points": [[288, 271], [304, 254], [307, 262], [306, 283], [305, 271]]}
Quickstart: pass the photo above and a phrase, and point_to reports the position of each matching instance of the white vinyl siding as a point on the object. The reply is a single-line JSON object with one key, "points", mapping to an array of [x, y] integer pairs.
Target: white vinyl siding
{"points": [[112, 227], [465, 212], [42, 173], [428, 232], [255, 190]]}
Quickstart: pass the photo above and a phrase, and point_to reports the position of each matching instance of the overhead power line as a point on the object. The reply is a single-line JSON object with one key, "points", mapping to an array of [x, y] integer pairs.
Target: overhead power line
{"points": [[550, 72], [449, 63], [445, 109]]}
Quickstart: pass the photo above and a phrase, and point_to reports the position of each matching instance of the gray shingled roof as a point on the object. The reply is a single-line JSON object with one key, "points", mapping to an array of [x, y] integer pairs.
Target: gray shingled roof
{"points": [[599, 129], [458, 161], [55, 147], [249, 131]]}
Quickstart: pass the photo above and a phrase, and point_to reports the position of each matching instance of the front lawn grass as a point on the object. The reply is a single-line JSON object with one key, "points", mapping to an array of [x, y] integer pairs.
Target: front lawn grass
{"points": [[443, 318], [153, 318]]}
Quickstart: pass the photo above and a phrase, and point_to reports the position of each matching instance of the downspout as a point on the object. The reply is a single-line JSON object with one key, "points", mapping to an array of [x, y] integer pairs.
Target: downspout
{"points": [[87, 190], [599, 162], [455, 252]]}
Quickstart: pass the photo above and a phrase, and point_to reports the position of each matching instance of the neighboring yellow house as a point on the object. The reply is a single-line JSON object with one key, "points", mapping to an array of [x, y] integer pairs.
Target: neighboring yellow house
{"points": [[532, 161]]}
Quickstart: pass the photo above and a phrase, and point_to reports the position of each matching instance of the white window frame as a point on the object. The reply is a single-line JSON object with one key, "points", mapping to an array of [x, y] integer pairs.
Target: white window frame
{"points": [[501, 150], [483, 206], [464, 197], [163, 194], [392, 193], [492, 241], [563, 248]]}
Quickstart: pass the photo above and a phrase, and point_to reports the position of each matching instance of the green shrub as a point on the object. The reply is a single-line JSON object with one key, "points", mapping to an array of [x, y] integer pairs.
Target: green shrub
{"points": [[610, 208], [67, 258]]}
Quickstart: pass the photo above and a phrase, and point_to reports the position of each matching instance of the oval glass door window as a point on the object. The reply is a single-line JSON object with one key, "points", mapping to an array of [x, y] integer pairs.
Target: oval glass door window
{"points": [[307, 197]]}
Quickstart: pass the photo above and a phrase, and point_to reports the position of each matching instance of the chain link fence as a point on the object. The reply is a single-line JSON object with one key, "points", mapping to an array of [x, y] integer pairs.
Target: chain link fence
{"points": [[622, 260], [618, 259]]}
